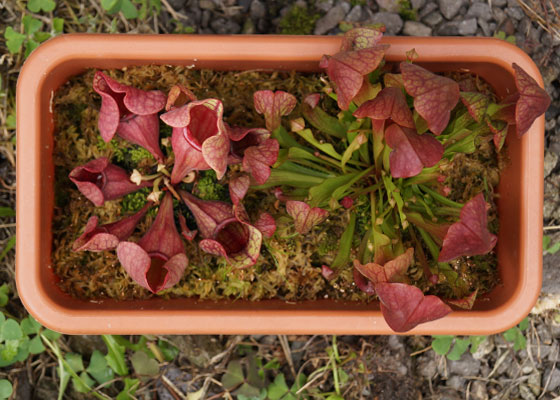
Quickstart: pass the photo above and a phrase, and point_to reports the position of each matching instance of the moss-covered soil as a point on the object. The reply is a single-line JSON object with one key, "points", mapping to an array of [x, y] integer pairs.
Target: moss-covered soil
{"points": [[290, 265]]}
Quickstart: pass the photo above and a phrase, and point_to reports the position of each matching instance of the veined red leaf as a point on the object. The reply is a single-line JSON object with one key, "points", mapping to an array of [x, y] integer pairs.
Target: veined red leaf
{"points": [[476, 103], [304, 216], [266, 224], [466, 303], [238, 187], [142, 130], [393, 80], [499, 129], [434, 96], [469, 236], [411, 151], [389, 103], [360, 38], [533, 100], [347, 69], [405, 306], [327, 272], [362, 283], [273, 105], [178, 96], [257, 160], [392, 271]]}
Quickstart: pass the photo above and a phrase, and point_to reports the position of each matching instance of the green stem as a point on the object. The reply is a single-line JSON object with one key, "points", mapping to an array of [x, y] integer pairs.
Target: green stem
{"points": [[56, 350], [440, 198], [432, 246]]}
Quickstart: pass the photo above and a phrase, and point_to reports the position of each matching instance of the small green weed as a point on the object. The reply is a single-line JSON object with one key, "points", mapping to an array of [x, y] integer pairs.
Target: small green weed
{"points": [[516, 336], [6, 389], [549, 247], [502, 35], [32, 35], [129, 9], [441, 344], [298, 21]]}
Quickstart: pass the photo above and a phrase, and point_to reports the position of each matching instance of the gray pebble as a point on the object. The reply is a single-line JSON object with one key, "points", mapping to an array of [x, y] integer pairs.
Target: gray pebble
{"points": [[479, 391], [258, 9], [388, 5], [467, 27], [430, 7], [512, 3], [526, 393], [485, 27], [393, 22], [550, 162], [499, 14], [412, 28], [224, 26], [466, 366], [177, 5], [480, 10], [450, 8], [206, 4], [324, 5], [205, 19], [244, 4], [450, 28], [417, 4], [534, 382], [432, 19], [499, 3], [355, 15], [330, 20], [426, 367], [515, 13], [456, 382]]}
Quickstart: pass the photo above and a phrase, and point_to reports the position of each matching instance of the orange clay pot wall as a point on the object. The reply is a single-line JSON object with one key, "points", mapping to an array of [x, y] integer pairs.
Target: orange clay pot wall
{"points": [[520, 191]]}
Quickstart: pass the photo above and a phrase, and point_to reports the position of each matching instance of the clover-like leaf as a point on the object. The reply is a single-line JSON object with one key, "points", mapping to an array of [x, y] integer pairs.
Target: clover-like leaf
{"points": [[533, 100], [405, 306], [476, 103], [465, 302], [411, 151], [469, 236], [389, 103], [257, 160], [304, 216], [347, 69], [273, 105], [434, 95], [392, 271], [360, 38], [266, 224], [238, 187], [38, 5]]}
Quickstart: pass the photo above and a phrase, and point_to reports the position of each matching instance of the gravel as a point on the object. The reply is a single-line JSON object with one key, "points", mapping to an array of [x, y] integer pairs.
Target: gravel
{"points": [[412, 28]]}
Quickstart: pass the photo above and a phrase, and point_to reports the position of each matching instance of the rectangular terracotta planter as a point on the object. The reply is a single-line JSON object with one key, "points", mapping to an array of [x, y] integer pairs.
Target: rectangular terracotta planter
{"points": [[520, 202]]}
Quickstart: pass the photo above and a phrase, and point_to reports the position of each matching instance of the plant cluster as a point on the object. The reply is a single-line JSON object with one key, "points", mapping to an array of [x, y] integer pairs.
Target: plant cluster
{"points": [[383, 156]]}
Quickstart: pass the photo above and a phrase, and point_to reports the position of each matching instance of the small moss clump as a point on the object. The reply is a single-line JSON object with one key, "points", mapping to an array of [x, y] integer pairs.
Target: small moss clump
{"points": [[406, 11], [298, 21], [209, 188]]}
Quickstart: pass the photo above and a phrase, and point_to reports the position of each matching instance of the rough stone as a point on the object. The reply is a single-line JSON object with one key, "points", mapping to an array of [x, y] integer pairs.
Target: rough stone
{"points": [[355, 15], [499, 14], [86, 344], [484, 348], [467, 27], [224, 26], [330, 20], [534, 382], [324, 5], [258, 9], [484, 26], [466, 366], [198, 349], [412, 28], [206, 5], [205, 19], [526, 393], [450, 28], [426, 367], [393, 22], [479, 391], [388, 5], [515, 13], [417, 4], [499, 3], [245, 5], [433, 19], [480, 10], [551, 271], [450, 8], [395, 342], [430, 7], [550, 162], [177, 5], [456, 382]]}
